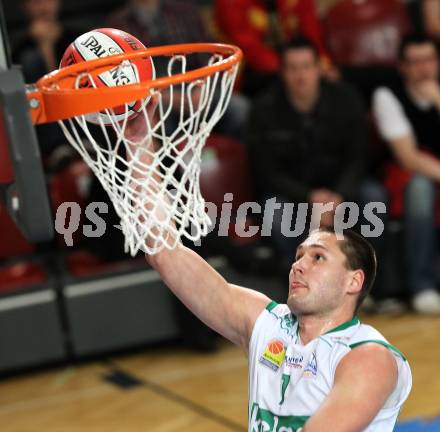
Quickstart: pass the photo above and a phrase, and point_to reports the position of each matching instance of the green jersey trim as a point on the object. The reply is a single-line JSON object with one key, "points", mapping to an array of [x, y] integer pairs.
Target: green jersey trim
{"points": [[271, 306], [286, 321], [347, 324], [380, 342]]}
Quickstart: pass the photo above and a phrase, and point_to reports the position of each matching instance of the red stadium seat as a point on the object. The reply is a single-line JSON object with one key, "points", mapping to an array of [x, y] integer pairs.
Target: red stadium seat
{"points": [[70, 185], [366, 32], [225, 169], [20, 276], [85, 264], [396, 179], [12, 241], [20, 271]]}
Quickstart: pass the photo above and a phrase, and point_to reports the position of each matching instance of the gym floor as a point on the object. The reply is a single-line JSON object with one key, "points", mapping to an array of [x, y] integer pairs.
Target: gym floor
{"points": [[172, 389]]}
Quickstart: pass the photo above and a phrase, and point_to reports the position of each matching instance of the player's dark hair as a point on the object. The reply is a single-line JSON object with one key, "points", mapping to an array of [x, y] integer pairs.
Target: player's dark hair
{"points": [[298, 42], [413, 39], [360, 255]]}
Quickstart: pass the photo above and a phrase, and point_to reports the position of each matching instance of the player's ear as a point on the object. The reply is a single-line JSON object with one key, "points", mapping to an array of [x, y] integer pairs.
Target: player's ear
{"points": [[355, 281]]}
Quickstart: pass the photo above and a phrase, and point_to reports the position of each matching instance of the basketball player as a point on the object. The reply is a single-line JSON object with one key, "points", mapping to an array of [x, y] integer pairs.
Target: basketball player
{"points": [[313, 365]]}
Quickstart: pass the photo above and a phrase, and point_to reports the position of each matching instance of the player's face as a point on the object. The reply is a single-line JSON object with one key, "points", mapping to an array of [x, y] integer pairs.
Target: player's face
{"points": [[301, 72], [420, 63], [318, 280]]}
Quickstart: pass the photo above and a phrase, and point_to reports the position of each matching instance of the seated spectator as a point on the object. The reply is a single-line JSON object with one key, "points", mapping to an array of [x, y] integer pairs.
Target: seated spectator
{"points": [[40, 49], [166, 22], [39, 52], [407, 116], [307, 140], [261, 28]]}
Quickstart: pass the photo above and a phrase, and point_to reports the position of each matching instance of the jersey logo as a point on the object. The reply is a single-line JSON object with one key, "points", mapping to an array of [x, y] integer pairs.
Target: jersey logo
{"points": [[311, 369], [273, 355], [295, 361]]}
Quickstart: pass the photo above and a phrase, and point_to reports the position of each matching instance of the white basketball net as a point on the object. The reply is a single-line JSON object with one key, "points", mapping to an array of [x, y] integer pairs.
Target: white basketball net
{"points": [[153, 181]]}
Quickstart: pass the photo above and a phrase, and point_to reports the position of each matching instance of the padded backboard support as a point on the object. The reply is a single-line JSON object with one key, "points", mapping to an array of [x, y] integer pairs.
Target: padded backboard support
{"points": [[22, 182], [24, 187]]}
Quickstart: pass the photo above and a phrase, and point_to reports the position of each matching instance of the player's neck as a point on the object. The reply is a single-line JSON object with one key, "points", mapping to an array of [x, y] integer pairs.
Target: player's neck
{"points": [[313, 326]]}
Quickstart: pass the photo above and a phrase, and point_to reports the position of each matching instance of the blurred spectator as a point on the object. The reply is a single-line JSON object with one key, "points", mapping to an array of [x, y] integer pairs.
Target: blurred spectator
{"points": [[261, 28], [165, 22], [307, 141], [39, 51], [41, 48], [431, 18], [161, 22], [407, 115]]}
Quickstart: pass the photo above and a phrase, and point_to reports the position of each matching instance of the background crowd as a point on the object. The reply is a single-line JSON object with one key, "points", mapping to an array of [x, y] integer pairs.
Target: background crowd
{"points": [[336, 100]]}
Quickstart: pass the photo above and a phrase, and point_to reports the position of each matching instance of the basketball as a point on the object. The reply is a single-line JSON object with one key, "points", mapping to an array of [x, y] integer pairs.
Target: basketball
{"points": [[104, 42], [276, 347]]}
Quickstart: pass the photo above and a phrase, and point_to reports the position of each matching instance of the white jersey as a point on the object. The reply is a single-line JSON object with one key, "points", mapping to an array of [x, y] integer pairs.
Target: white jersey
{"points": [[288, 381]]}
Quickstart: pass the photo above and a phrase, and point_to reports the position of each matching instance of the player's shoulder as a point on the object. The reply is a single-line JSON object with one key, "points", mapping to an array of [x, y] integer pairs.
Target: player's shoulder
{"points": [[365, 332], [368, 336], [354, 333], [354, 339]]}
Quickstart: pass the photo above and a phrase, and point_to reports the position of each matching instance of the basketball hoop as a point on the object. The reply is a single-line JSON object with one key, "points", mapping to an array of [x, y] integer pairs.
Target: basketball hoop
{"points": [[152, 180]]}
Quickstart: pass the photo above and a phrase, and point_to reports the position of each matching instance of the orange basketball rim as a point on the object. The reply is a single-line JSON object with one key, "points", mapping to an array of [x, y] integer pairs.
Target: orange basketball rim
{"points": [[57, 96]]}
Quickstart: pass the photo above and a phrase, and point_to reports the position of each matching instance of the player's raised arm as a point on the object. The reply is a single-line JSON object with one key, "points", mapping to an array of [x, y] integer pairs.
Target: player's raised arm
{"points": [[229, 309]]}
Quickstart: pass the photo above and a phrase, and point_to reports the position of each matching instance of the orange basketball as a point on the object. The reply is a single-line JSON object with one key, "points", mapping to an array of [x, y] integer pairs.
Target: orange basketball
{"points": [[276, 347], [105, 42]]}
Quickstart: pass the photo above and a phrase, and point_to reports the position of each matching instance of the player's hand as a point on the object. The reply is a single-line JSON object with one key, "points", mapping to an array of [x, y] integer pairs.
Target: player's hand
{"points": [[137, 128], [145, 173], [329, 69], [45, 32], [331, 72], [429, 90]]}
